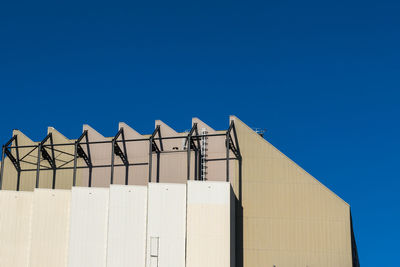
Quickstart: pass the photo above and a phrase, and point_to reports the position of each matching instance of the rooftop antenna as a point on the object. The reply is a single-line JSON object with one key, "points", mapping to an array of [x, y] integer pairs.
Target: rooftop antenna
{"points": [[260, 131]]}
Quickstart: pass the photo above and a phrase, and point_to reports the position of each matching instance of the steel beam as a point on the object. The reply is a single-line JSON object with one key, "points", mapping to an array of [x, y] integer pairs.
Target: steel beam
{"points": [[48, 157], [152, 147], [18, 163], [75, 163], [79, 152], [2, 166], [39, 148], [126, 160], [227, 143], [236, 141], [188, 147], [192, 142]]}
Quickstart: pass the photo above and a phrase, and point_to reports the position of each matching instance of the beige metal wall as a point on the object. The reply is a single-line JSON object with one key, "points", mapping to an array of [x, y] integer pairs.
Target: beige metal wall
{"points": [[166, 225], [127, 218], [15, 217], [289, 218], [209, 224], [88, 227], [50, 228]]}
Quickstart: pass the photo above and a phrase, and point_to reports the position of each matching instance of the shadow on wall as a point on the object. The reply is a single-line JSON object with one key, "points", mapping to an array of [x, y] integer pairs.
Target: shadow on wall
{"points": [[239, 222], [356, 262], [239, 234]]}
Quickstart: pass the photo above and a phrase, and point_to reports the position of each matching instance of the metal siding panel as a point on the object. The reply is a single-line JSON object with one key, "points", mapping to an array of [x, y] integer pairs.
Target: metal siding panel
{"points": [[208, 224], [50, 228], [289, 218], [88, 227], [167, 221], [15, 221], [127, 226]]}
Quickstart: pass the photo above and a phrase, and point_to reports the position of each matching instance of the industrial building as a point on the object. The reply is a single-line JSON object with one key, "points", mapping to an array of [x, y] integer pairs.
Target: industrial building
{"points": [[203, 197]]}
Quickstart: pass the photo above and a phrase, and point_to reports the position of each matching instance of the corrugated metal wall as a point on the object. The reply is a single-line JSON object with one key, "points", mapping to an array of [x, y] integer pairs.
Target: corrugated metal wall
{"points": [[50, 228], [88, 227], [15, 217], [209, 224], [119, 226], [166, 225], [127, 226], [289, 218]]}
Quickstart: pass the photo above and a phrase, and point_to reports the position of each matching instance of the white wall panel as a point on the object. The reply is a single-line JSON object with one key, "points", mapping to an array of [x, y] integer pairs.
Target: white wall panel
{"points": [[127, 226], [15, 218], [166, 227], [88, 228], [50, 228], [209, 224]]}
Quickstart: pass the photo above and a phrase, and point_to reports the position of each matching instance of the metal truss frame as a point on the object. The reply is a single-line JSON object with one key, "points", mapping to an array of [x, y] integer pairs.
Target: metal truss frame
{"points": [[46, 150]]}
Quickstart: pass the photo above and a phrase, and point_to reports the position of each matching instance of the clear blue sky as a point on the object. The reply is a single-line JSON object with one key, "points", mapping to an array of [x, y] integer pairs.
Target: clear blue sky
{"points": [[322, 77]]}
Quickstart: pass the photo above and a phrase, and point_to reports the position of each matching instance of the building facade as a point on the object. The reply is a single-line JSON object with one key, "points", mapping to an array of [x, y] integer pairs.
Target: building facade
{"points": [[197, 198]]}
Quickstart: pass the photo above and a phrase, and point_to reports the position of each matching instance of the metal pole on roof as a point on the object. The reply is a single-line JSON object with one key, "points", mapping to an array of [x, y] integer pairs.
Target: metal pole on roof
{"points": [[188, 156], [18, 163], [227, 142], [150, 157], [75, 163], [38, 165], [112, 161], [2, 166]]}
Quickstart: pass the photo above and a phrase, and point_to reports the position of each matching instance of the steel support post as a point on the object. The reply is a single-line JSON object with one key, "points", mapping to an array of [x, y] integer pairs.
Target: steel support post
{"points": [[236, 140], [126, 158], [18, 164], [2, 166], [89, 159], [18, 179], [158, 129], [151, 145], [126, 174], [38, 165], [112, 161], [189, 144], [150, 157], [75, 163], [158, 167], [227, 142], [54, 162], [196, 156], [188, 157], [90, 177]]}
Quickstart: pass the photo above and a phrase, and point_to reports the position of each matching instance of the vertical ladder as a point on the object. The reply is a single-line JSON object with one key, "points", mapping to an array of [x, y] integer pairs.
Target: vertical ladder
{"points": [[203, 153]]}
